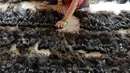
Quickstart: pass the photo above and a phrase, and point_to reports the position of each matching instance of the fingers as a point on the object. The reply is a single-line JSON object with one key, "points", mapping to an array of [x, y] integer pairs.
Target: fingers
{"points": [[60, 24], [58, 10], [61, 9], [44, 4]]}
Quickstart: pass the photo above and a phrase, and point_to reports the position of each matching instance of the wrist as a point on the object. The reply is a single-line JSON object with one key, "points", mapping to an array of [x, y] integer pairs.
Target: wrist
{"points": [[65, 20], [60, 2]]}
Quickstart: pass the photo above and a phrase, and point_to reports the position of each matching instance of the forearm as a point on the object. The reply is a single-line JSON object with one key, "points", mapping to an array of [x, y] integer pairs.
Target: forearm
{"points": [[71, 9]]}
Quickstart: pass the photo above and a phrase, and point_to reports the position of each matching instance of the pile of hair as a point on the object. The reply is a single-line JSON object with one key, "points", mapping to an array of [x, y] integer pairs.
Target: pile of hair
{"points": [[63, 47], [59, 63], [23, 49], [104, 42], [103, 20], [28, 17], [117, 1], [17, 1]]}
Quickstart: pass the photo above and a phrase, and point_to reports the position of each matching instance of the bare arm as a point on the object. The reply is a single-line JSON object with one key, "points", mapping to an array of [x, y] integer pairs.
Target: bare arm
{"points": [[71, 9], [69, 13]]}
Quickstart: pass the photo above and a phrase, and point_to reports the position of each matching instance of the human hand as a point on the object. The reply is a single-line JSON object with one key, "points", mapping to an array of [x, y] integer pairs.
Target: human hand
{"points": [[61, 24], [44, 4], [61, 9]]}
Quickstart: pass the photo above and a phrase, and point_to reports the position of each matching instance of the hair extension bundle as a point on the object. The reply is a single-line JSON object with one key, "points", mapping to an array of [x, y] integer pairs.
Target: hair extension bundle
{"points": [[104, 42], [37, 50], [28, 17], [103, 20]]}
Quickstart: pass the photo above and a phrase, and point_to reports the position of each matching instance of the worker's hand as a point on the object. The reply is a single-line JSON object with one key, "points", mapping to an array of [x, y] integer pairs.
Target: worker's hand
{"points": [[60, 24], [61, 9], [44, 4]]}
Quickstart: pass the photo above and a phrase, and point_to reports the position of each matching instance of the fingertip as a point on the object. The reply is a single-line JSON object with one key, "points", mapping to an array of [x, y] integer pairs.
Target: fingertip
{"points": [[58, 25]]}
